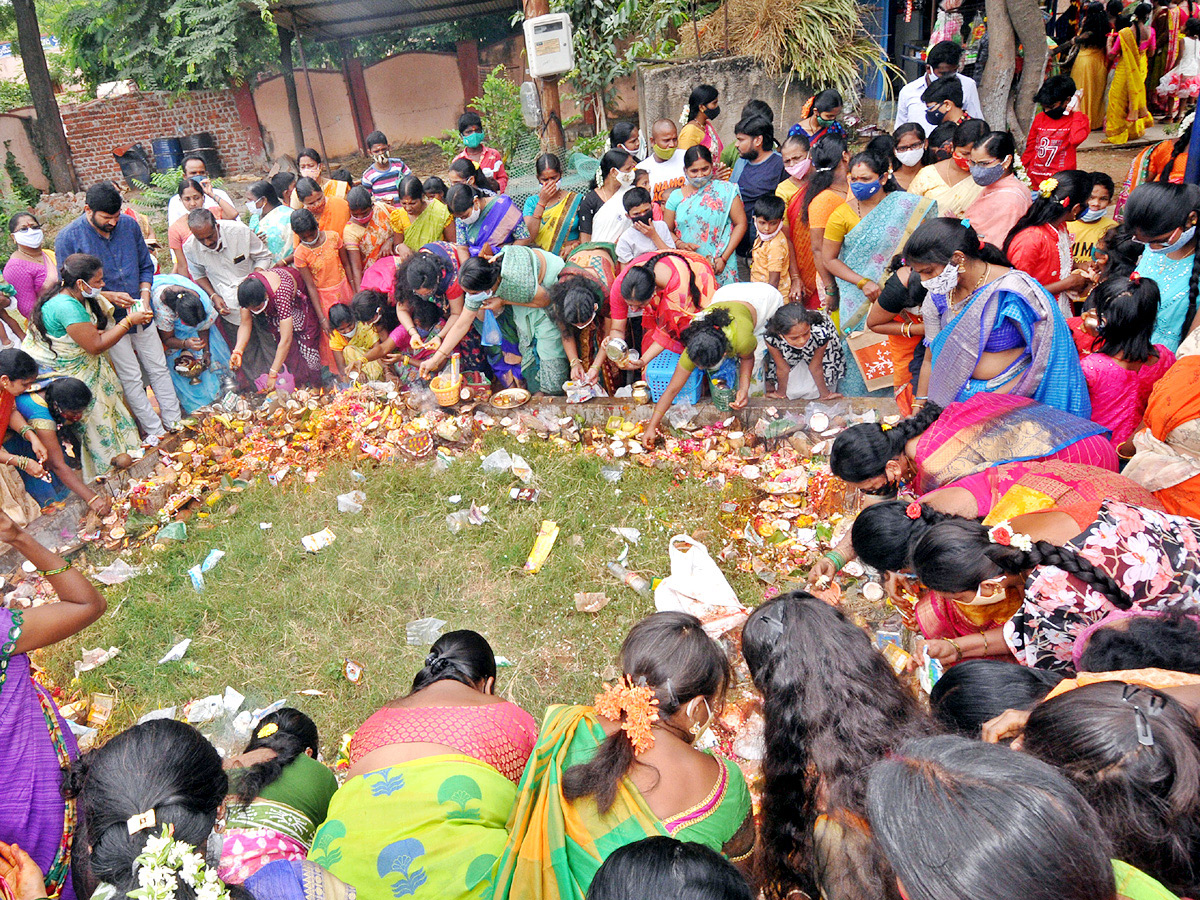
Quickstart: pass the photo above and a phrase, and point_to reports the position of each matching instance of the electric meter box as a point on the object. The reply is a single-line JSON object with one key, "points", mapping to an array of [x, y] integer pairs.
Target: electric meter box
{"points": [[548, 45]]}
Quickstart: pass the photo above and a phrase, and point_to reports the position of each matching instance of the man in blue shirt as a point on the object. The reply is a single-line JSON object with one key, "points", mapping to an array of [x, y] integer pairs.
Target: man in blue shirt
{"points": [[757, 172], [104, 232]]}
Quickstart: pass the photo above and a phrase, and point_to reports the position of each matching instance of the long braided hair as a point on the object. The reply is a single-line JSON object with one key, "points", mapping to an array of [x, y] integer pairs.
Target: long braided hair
{"points": [[833, 708], [957, 555], [884, 533], [639, 282], [1152, 209], [862, 451]]}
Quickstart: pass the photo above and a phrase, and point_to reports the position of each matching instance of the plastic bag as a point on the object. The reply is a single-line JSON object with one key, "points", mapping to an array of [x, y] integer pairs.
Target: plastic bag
{"points": [[490, 335], [497, 463], [697, 585], [285, 382]]}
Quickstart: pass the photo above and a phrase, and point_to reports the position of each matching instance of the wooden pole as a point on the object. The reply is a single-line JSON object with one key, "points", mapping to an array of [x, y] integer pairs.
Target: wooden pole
{"points": [[553, 138], [312, 98], [289, 85]]}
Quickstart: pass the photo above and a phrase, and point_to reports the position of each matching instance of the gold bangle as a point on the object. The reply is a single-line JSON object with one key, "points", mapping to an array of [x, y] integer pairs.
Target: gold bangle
{"points": [[51, 572], [983, 634], [957, 649]]}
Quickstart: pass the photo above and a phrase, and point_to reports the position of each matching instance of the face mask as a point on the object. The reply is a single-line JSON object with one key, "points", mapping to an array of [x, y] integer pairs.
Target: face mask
{"points": [[664, 153], [887, 489], [800, 169], [313, 242], [1056, 113], [254, 205], [88, 291], [701, 182], [30, 237], [470, 218], [475, 299], [768, 235], [348, 335], [713, 113], [362, 220], [826, 121], [635, 153], [381, 159], [865, 190], [910, 157], [1184, 238], [625, 178], [642, 219], [934, 117], [944, 283], [474, 140], [310, 172], [985, 175], [1092, 215], [962, 162]]}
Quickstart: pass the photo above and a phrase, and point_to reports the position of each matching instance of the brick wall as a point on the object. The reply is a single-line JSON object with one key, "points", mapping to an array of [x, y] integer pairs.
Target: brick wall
{"points": [[96, 128]]}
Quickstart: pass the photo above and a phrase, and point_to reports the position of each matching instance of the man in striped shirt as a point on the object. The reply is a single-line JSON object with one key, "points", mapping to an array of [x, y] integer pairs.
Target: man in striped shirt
{"points": [[382, 177]]}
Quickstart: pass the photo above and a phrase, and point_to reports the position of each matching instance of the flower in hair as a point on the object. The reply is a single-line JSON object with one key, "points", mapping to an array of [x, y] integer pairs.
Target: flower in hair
{"points": [[164, 862], [885, 427], [1135, 277], [635, 707], [965, 223], [1003, 534], [1048, 187], [913, 510], [267, 730]]}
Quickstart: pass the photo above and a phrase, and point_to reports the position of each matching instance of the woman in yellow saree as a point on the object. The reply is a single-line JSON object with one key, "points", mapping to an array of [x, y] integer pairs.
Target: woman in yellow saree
{"points": [[552, 214], [606, 776], [1128, 116]]}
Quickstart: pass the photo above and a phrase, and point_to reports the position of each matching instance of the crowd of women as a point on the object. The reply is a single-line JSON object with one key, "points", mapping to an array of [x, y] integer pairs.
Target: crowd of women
{"points": [[1035, 516]]}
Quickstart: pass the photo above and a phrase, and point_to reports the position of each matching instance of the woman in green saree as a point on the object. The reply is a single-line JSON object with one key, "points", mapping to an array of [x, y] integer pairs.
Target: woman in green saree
{"points": [[607, 775], [428, 218], [432, 781]]}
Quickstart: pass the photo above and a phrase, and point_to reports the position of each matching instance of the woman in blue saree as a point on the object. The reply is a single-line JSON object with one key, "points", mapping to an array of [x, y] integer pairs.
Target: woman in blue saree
{"points": [[485, 224], [990, 328], [861, 237], [184, 317]]}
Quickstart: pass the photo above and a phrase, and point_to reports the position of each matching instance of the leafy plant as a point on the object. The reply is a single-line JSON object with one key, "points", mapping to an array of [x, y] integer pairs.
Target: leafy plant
{"points": [[823, 43], [177, 46], [591, 145], [499, 107], [14, 94], [21, 188]]}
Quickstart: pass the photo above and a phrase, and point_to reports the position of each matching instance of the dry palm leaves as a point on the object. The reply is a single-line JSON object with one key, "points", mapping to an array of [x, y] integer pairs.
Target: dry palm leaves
{"points": [[821, 42]]}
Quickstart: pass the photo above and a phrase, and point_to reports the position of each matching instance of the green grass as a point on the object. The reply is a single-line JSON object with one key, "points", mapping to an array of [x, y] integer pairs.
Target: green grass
{"points": [[274, 620]]}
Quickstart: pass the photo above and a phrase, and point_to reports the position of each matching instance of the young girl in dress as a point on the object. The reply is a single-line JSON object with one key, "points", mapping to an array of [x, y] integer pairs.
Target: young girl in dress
{"points": [[322, 261], [1182, 83], [1121, 372]]}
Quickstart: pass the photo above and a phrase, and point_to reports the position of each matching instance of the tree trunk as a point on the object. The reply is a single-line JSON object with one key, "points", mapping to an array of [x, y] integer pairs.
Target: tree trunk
{"points": [[1026, 18], [289, 87], [53, 138], [997, 79]]}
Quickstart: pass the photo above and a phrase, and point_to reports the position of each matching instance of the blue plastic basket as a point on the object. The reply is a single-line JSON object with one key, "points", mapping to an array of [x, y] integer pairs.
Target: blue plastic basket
{"points": [[659, 374]]}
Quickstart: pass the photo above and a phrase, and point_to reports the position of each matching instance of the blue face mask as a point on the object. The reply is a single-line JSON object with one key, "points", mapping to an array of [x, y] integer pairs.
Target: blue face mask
{"points": [[1092, 215], [865, 190], [1184, 238]]}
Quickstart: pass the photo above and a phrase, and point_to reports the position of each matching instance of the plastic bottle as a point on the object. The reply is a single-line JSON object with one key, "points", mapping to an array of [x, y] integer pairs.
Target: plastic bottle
{"points": [[630, 579]]}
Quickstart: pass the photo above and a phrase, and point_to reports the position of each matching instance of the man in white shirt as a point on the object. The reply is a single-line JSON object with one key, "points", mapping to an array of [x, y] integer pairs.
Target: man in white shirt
{"points": [[219, 256], [664, 163], [943, 59], [215, 199]]}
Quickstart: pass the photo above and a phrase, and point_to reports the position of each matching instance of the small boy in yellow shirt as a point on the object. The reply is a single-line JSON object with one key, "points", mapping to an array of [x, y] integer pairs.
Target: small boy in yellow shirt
{"points": [[771, 257]]}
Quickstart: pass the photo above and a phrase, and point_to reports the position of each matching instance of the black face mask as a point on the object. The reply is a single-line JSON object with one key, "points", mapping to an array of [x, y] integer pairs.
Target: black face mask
{"points": [[889, 489], [1056, 113], [713, 113], [643, 219]]}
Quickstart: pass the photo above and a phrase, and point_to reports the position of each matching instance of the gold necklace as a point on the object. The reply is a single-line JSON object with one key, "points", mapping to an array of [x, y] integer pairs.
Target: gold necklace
{"points": [[978, 284]]}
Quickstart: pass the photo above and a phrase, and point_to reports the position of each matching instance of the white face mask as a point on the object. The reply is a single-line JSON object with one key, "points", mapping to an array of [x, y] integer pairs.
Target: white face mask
{"points": [[313, 242], [254, 205], [1092, 215], [943, 284], [29, 237], [625, 178], [767, 235], [471, 218], [88, 291], [910, 157]]}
